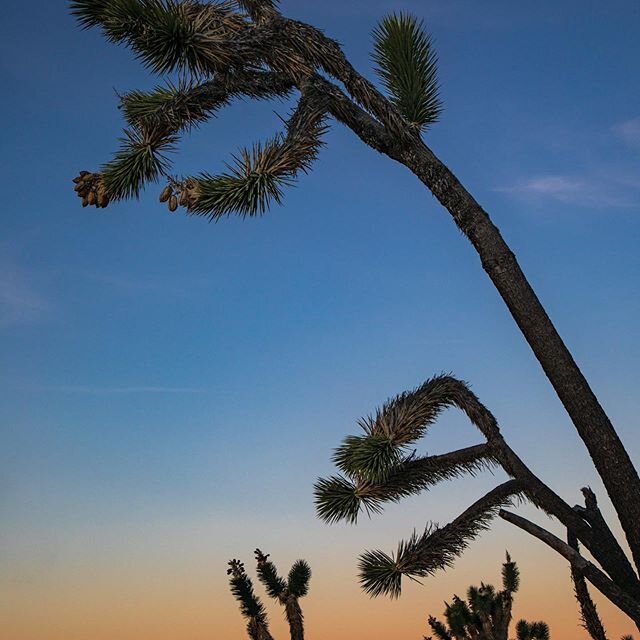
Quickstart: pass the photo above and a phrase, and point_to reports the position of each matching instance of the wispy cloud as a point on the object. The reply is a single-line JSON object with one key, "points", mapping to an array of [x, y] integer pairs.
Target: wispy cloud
{"points": [[91, 390], [628, 131], [586, 191]]}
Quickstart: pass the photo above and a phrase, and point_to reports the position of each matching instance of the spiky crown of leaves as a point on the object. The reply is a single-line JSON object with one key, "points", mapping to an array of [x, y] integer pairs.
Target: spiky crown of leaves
{"points": [[224, 50]]}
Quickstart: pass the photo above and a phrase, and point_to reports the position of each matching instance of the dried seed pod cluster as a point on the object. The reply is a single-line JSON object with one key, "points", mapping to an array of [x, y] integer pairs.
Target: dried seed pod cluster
{"points": [[179, 193], [91, 190], [236, 568]]}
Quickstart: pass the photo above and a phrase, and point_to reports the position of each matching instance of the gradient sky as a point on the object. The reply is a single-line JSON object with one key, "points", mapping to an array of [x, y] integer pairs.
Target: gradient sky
{"points": [[171, 389]]}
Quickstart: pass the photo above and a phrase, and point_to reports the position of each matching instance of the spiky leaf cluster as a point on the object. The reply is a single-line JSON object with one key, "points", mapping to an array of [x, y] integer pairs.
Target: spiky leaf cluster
{"points": [[532, 630], [407, 66], [344, 498], [298, 578], [296, 584], [510, 576], [242, 589], [437, 548], [167, 35], [378, 466], [486, 613], [141, 158]]}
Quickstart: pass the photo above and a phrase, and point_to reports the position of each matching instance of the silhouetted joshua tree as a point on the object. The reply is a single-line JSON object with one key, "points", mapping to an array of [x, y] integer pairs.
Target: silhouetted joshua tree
{"points": [[247, 49], [380, 466], [287, 592], [222, 51], [486, 614]]}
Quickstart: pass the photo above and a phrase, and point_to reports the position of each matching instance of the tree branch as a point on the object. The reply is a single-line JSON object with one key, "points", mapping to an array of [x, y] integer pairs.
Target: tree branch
{"points": [[598, 578]]}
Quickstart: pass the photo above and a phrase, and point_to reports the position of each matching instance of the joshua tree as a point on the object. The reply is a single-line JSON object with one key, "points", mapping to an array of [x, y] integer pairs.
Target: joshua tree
{"points": [[287, 592], [225, 50], [247, 48], [251, 606], [486, 615], [378, 467]]}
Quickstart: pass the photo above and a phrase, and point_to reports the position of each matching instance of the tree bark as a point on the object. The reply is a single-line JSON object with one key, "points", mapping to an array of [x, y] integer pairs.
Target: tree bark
{"points": [[598, 578]]}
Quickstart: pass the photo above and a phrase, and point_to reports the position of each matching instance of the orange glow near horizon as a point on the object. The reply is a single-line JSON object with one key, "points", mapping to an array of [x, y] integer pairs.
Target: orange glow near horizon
{"points": [[102, 603]]}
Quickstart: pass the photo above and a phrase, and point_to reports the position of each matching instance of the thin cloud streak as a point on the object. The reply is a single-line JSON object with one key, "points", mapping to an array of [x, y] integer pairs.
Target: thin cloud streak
{"points": [[586, 191], [121, 390]]}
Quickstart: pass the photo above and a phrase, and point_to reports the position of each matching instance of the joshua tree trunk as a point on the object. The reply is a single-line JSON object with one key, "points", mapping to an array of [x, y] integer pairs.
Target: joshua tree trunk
{"points": [[294, 618]]}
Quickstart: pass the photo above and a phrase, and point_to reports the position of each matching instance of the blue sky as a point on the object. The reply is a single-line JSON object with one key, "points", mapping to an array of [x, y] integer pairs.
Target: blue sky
{"points": [[156, 364]]}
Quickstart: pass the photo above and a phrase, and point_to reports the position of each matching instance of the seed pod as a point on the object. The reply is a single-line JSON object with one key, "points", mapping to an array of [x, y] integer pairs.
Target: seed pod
{"points": [[166, 193], [84, 173], [103, 200], [173, 203], [79, 187], [84, 202], [91, 197], [184, 198], [77, 179]]}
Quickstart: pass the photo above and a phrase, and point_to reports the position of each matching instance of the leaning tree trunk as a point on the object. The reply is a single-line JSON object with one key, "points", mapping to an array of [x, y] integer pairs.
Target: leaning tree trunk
{"points": [[618, 474], [605, 447]]}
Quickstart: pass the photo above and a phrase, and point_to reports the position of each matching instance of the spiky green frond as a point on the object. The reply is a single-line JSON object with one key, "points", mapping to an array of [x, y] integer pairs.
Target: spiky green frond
{"points": [[510, 576], [298, 578], [439, 629], [253, 181], [250, 605], [369, 457], [167, 35], [437, 548], [407, 65], [459, 617], [273, 583], [259, 175], [539, 631], [532, 630], [405, 418], [140, 159], [337, 498], [89, 13], [170, 107]]}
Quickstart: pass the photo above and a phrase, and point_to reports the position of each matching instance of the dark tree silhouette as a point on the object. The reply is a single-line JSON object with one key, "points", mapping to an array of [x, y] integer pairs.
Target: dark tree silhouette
{"points": [[381, 466], [486, 614], [287, 592], [226, 50]]}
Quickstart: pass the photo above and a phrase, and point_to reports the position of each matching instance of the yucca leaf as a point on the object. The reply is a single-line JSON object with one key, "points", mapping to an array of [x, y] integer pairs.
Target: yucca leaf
{"points": [[273, 583], [510, 576], [298, 579], [435, 549], [407, 66], [337, 498], [140, 159]]}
